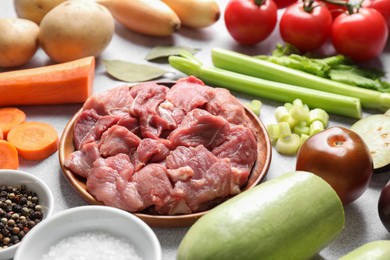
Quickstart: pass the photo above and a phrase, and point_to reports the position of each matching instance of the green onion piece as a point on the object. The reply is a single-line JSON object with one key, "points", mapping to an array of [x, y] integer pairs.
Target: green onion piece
{"points": [[288, 145], [284, 129], [244, 64], [273, 132], [316, 127], [332, 103]]}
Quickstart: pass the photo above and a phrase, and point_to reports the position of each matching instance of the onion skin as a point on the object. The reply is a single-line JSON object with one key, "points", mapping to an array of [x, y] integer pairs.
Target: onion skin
{"points": [[195, 13], [149, 17]]}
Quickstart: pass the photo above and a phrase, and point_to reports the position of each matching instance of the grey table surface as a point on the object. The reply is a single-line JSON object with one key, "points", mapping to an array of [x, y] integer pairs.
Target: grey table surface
{"points": [[362, 221]]}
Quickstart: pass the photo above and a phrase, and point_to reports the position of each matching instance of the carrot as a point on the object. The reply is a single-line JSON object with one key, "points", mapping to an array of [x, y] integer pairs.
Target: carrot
{"points": [[1, 134], [8, 156], [63, 83], [10, 117], [34, 140]]}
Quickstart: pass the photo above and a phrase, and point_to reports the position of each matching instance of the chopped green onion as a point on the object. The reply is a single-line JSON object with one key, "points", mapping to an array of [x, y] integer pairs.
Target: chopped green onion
{"points": [[333, 103], [288, 145], [244, 64]]}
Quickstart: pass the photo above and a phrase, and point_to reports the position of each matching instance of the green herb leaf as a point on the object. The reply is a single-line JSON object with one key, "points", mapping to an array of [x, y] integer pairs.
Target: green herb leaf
{"points": [[132, 72], [354, 77], [160, 52]]}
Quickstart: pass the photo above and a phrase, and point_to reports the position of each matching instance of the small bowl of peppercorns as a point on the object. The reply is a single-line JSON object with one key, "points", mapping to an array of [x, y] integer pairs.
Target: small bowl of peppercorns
{"points": [[25, 200]]}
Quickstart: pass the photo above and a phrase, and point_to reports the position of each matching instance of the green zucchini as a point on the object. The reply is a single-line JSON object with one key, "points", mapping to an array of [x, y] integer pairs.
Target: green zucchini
{"points": [[378, 250], [293, 216]]}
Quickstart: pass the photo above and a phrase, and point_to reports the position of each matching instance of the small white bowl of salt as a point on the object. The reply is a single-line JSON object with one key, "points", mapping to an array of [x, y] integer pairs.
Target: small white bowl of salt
{"points": [[90, 232]]}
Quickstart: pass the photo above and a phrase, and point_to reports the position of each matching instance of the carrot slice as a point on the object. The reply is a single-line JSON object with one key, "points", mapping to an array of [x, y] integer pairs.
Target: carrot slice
{"points": [[10, 117], [8, 156], [34, 140], [63, 83], [1, 134]]}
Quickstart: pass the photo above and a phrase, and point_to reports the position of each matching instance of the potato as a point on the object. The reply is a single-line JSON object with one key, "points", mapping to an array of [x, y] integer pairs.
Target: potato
{"points": [[34, 10], [18, 41], [76, 29]]}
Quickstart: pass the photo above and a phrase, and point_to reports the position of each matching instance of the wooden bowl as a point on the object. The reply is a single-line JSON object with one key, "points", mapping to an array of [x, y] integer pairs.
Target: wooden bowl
{"points": [[259, 170]]}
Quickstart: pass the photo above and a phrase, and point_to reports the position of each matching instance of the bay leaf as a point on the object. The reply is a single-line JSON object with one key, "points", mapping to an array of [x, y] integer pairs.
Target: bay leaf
{"points": [[160, 52], [132, 72]]}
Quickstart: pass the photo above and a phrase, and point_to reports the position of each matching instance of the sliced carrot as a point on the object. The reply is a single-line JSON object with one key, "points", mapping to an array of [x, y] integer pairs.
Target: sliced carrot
{"points": [[64, 83], [1, 134], [10, 117], [34, 140], [8, 156]]}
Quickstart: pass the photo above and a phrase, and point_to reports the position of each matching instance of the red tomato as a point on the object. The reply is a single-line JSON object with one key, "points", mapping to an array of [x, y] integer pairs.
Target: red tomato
{"points": [[361, 36], [306, 30], [284, 3], [340, 157], [382, 6], [250, 21]]}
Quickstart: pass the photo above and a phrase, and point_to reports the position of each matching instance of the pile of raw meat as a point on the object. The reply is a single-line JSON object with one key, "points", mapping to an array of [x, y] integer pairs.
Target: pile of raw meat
{"points": [[160, 150]]}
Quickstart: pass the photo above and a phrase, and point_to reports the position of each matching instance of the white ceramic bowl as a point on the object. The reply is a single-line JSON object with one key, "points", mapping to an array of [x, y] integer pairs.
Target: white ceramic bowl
{"points": [[33, 183], [68, 223]]}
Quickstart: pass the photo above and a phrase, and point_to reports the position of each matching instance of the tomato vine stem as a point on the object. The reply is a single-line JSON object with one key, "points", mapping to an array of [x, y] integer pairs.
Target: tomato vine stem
{"points": [[259, 2], [309, 5], [351, 7]]}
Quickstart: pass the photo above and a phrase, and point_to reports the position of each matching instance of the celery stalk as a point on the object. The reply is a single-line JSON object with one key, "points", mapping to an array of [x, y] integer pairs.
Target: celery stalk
{"points": [[332, 103], [244, 64]]}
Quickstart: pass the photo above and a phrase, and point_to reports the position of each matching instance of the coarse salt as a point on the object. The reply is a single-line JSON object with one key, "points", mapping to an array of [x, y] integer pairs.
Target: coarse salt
{"points": [[96, 245]]}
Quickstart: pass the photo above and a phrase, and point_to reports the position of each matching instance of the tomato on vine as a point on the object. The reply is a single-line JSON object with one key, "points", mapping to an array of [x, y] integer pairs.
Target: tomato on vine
{"points": [[336, 9], [250, 21], [382, 6], [361, 33], [306, 25]]}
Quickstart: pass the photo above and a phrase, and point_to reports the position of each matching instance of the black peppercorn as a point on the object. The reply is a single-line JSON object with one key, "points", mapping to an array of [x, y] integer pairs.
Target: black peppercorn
{"points": [[22, 200], [14, 239], [19, 212], [16, 208]]}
